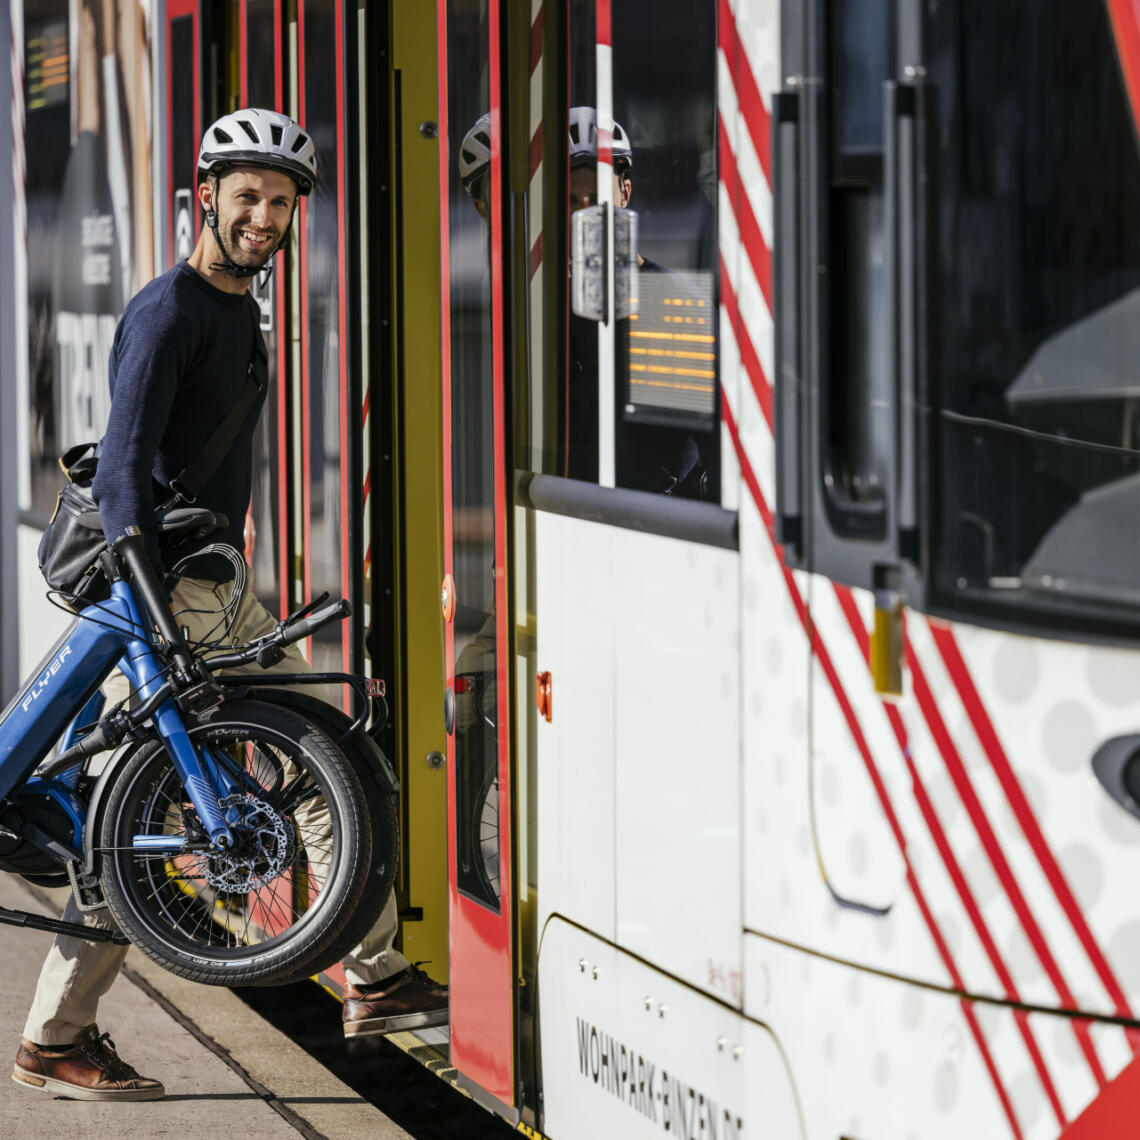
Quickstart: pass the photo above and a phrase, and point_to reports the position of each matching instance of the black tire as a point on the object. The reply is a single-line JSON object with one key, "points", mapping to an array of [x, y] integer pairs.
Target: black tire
{"points": [[360, 750], [196, 919]]}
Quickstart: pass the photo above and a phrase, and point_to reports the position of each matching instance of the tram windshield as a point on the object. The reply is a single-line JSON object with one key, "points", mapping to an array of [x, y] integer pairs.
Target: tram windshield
{"points": [[1036, 331]]}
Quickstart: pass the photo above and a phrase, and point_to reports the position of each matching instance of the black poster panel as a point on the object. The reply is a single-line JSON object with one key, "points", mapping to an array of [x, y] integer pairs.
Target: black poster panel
{"points": [[86, 149]]}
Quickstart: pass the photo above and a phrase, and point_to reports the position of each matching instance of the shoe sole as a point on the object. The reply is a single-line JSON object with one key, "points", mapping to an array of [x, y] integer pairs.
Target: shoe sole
{"points": [[379, 1026], [78, 1092]]}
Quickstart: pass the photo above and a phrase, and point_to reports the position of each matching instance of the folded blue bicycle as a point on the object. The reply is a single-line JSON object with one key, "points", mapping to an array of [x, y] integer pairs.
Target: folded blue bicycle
{"points": [[235, 839]]}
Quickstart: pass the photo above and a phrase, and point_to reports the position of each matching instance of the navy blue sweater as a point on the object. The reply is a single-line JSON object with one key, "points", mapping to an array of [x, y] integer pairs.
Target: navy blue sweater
{"points": [[178, 364]]}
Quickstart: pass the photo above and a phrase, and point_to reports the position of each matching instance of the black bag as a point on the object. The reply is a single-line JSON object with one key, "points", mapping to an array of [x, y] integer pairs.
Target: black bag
{"points": [[73, 540]]}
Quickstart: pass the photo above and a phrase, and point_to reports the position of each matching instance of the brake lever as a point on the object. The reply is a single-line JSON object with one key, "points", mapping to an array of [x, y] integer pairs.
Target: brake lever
{"points": [[305, 610]]}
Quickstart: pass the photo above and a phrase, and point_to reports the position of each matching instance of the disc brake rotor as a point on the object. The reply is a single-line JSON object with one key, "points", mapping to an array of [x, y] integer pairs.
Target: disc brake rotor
{"points": [[264, 847]]}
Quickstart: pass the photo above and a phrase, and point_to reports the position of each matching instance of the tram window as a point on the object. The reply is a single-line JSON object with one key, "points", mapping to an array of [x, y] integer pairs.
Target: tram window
{"points": [[470, 219], [666, 410], [1038, 231]]}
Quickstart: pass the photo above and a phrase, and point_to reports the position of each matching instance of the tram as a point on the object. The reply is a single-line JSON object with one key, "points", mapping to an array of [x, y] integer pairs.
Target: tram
{"points": [[750, 555]]}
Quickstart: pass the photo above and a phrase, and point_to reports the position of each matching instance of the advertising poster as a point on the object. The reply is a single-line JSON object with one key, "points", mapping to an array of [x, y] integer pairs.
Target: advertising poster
{"points": [[90, 226]]}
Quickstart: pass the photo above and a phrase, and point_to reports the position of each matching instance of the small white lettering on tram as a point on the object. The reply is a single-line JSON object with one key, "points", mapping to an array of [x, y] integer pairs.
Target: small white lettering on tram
{"points": [[45, 679], [662, 1097]]}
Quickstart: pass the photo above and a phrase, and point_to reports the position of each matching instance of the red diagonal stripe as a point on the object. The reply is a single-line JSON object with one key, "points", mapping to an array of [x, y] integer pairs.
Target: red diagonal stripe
{"points": [[535, 255], [536, 42], [1126, 30], [987, 736], [748, 355], [751, 238], [535, 149], [949, 860], [820, 652], [997, 859], [755, 114]]}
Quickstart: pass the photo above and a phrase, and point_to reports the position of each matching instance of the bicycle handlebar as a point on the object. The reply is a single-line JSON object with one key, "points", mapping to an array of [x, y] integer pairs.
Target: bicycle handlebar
{"points": [[306, 627]]}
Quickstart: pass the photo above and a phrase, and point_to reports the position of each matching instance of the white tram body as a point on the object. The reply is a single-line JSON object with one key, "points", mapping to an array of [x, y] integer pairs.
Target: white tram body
{"points": [[773, 899]]}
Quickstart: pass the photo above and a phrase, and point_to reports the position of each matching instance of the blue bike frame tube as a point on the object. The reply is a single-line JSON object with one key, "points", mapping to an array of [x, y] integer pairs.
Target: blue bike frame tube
{"points": [[69, 673], [148, 675], [67, 677]]}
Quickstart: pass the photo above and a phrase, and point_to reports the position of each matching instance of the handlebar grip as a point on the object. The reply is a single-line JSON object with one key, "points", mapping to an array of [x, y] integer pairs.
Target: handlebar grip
{"points": [[306, 627]]}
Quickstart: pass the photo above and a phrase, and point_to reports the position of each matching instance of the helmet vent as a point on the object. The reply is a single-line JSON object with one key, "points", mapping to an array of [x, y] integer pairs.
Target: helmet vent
{"points": [[299, 141], [275, 133], [248, 128], [221, 136]]}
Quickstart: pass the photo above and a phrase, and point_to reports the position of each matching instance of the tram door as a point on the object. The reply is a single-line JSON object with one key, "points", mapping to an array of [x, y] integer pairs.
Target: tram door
{"points": [[475, 592]]}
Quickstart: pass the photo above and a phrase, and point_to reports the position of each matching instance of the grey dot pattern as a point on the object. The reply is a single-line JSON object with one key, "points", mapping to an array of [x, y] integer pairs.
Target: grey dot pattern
{"points": [[980, 875], [885, 934], [945, 1087], [750, 593], [829, 784], [1021, 958], [1036, 792], [799, 719], [774, 655], [912, 1008], [1068, 737], [860, 855], [1065, 1042], [944, 796], [1114, 676], [1027, 1096], [829, 1048], [1084, 872], [882, 1068], [1016, 670], [1124, 953], [1122, 828]]}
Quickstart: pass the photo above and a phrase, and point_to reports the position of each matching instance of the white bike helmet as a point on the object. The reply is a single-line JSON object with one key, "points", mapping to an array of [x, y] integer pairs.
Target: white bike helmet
{"points": [[475, 154], [254, 137], [584, 140]]}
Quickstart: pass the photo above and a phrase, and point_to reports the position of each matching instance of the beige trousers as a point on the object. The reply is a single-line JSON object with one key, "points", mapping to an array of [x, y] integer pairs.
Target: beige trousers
{"points": [[77, 973]]}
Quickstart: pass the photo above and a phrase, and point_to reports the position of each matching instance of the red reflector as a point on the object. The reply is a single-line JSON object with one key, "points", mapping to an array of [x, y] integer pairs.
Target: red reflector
{"points": [[376, 686], [464, 684]]}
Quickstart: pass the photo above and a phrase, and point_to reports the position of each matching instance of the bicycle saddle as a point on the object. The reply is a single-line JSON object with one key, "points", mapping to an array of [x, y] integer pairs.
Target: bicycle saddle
{"points": [[191, 521]]}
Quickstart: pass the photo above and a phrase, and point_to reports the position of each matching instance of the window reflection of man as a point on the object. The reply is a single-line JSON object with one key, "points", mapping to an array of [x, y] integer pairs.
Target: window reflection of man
{"points": [[663, 460]]}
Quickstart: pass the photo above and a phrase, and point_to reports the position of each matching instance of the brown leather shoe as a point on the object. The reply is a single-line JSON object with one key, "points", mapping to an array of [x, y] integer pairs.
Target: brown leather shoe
{"points": [[407, 1000], [89, 1069]]}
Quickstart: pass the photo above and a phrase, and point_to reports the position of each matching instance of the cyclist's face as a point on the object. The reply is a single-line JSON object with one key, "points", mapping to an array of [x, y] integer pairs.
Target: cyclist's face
{"points": [[254, 208], [584, 188]]}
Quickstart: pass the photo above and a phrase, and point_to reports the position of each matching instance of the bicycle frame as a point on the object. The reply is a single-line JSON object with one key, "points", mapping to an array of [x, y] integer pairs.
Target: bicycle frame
{"points": [[100, 638]]}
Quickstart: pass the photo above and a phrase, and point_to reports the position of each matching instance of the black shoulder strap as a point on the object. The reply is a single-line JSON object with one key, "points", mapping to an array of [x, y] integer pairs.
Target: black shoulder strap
{"points": [[188, 485]]}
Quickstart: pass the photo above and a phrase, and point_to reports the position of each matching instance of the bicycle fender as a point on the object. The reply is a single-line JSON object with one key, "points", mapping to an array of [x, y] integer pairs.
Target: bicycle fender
{"points": [[361, 750], [95, 804]]}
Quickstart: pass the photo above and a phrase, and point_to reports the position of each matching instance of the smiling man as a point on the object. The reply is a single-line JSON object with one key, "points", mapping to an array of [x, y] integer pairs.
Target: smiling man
{"points": [[179, 363]]}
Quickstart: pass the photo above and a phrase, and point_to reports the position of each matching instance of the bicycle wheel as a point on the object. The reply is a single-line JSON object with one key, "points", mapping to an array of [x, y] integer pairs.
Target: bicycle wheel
{"points": [[360, 752], [273, 905]]}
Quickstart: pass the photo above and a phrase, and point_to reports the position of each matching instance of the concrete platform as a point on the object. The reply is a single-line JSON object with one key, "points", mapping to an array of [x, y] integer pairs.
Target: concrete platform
{"points": [[225, 1069]]}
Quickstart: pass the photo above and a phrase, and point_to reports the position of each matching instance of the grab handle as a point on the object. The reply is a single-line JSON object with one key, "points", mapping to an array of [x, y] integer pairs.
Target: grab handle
{"points": [[788, 393]]}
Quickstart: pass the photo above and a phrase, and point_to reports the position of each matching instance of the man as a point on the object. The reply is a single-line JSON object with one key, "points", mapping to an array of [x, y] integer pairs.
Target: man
{"points": [[180, 358]]}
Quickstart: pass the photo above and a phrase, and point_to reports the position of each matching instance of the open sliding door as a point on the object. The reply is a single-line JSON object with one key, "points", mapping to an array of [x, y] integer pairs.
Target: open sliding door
{"points": [[475, 594]]}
